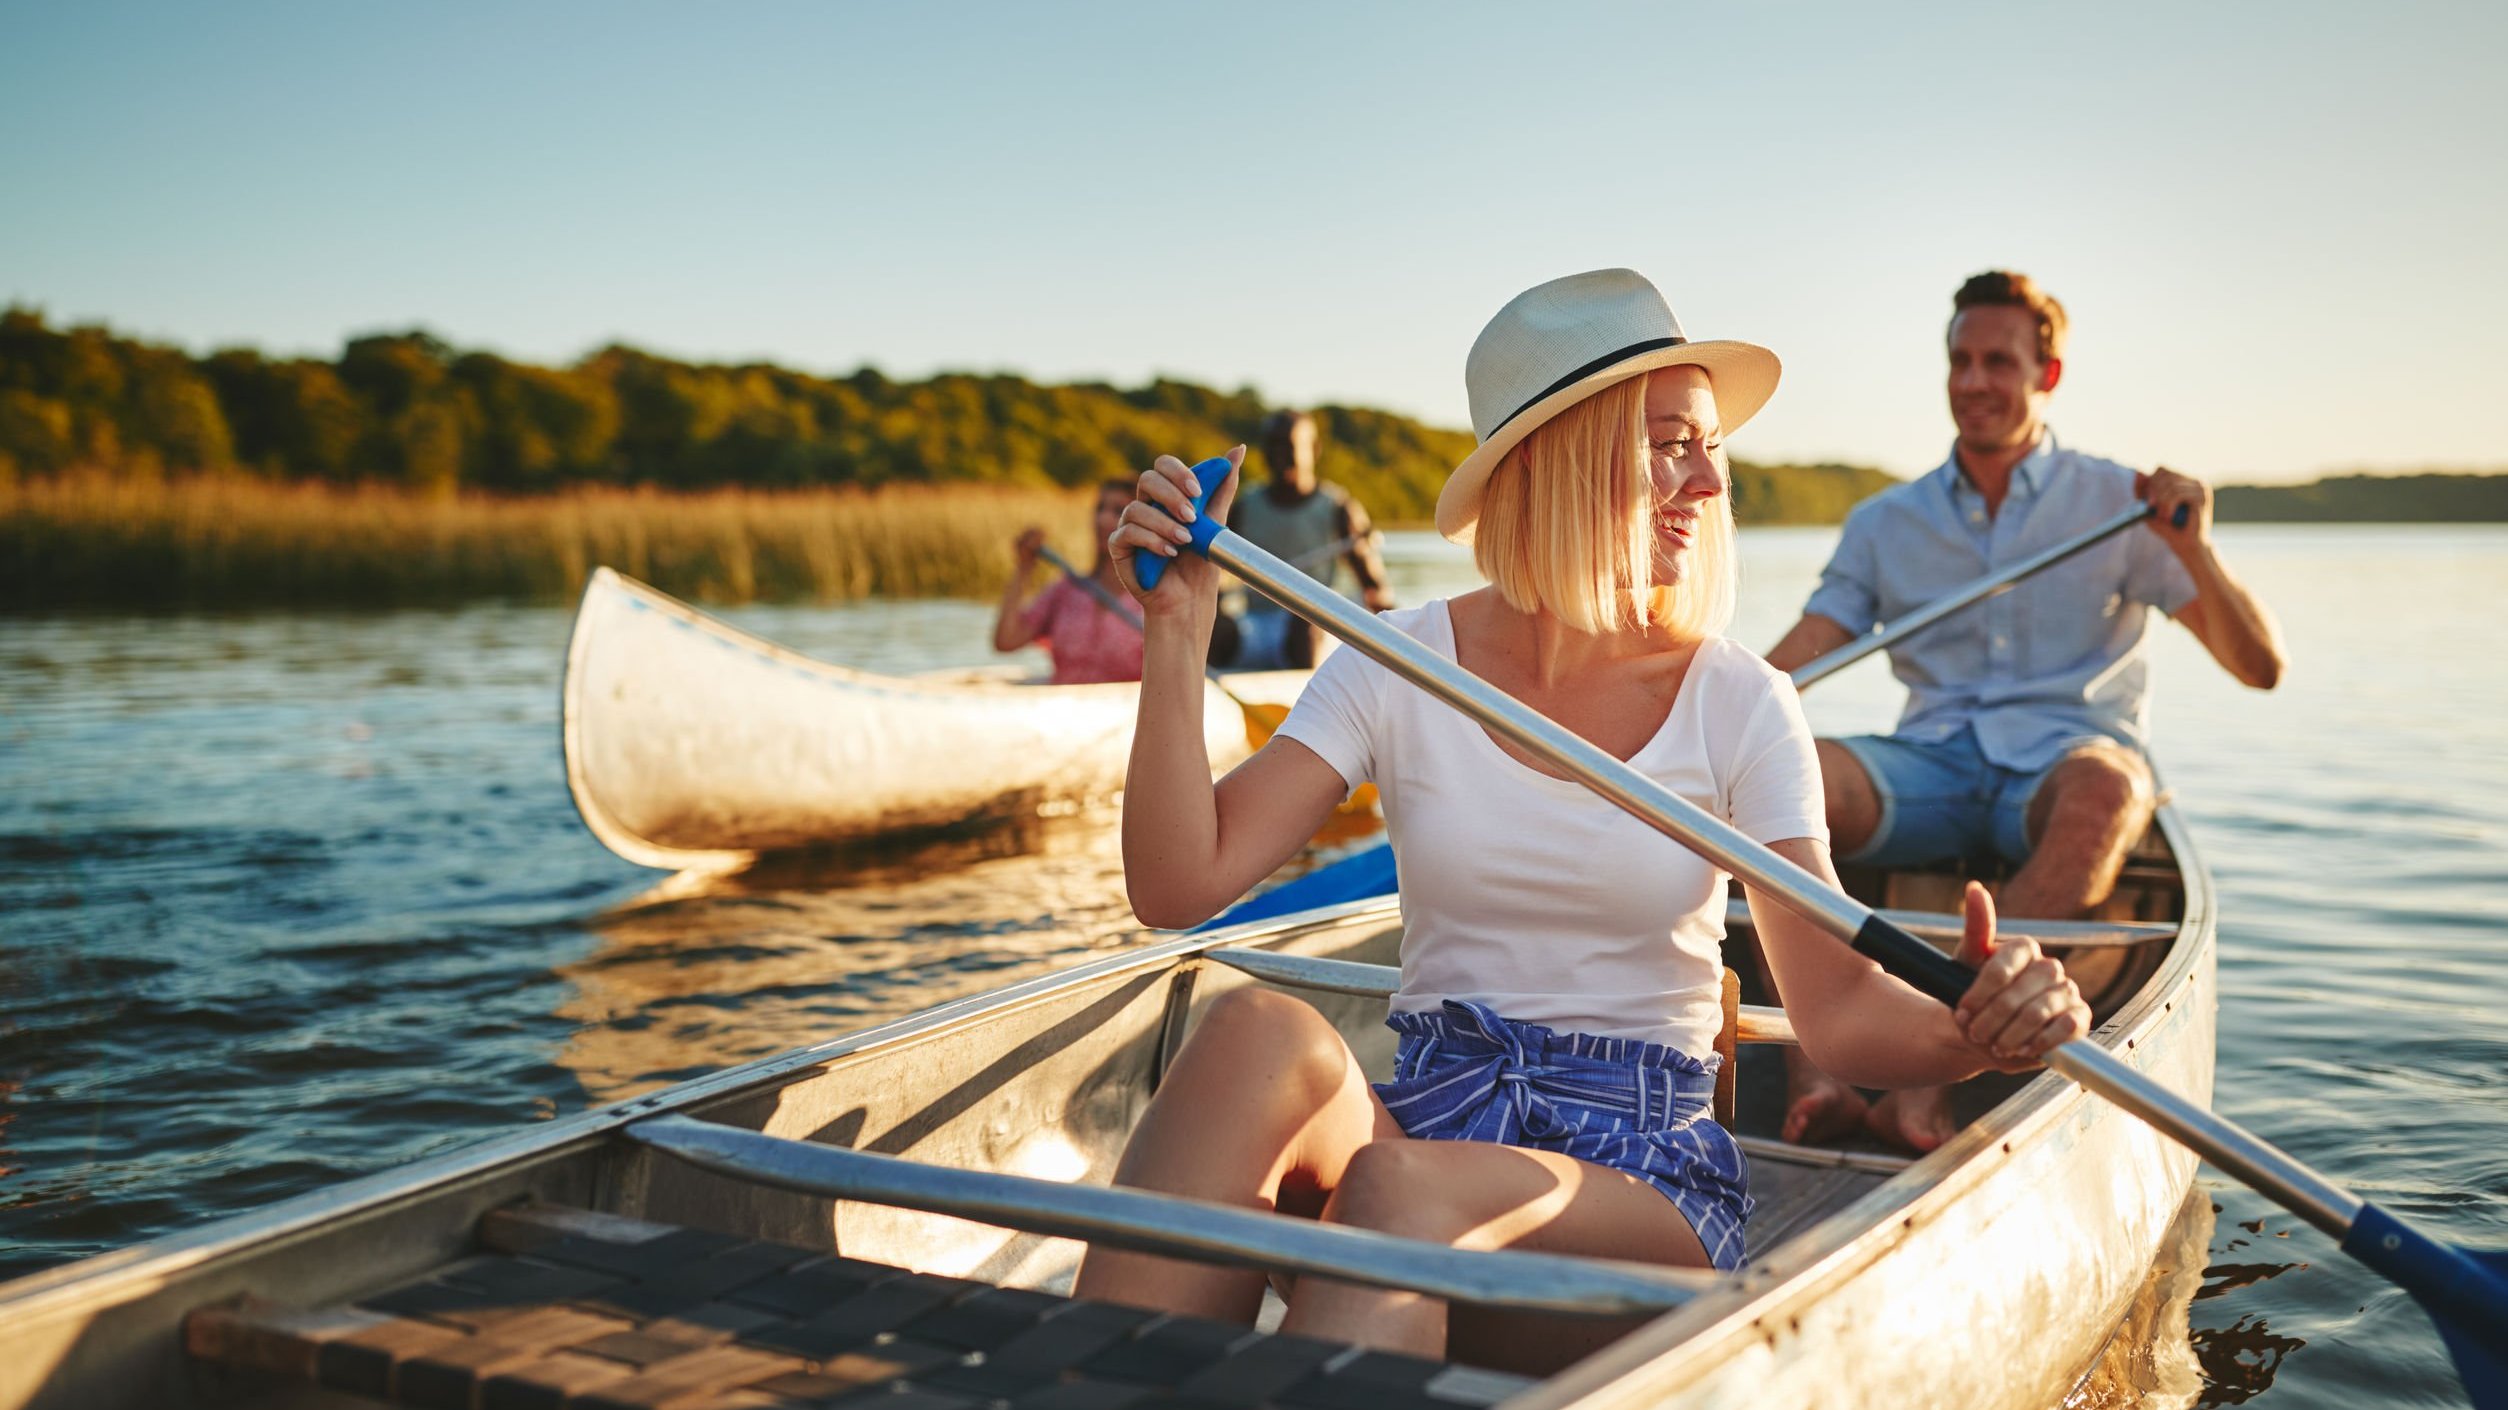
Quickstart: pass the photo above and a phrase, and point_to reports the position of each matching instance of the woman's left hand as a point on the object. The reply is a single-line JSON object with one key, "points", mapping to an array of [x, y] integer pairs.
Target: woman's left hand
{"points": [[2023, 1005]]}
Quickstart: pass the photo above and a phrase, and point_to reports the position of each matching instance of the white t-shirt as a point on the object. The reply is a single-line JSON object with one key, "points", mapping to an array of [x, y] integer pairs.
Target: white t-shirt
{"points": [[1532, 895]]}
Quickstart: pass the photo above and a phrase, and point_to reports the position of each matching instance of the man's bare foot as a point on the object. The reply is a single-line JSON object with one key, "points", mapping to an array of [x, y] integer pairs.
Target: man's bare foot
{"points": [[1915, 1119], [1818, 1107]]}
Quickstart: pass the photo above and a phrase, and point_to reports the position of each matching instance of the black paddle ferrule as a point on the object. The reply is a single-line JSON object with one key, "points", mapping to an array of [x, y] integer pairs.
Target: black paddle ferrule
{"points": [[1907, 958]]}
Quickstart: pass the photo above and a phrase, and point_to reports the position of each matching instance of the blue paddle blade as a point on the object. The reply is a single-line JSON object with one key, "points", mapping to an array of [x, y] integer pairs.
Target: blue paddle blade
{"points": [[1149, 567], [1353, 878], [2483, 1369], [2465, 1291]]}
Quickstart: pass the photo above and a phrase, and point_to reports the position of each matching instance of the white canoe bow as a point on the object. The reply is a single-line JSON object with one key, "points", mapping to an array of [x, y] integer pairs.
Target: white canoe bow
{"points": [[691, 744]]}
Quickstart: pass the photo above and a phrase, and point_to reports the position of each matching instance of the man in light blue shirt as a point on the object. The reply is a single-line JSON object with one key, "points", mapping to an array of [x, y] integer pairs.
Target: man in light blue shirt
{"points": [[2024, 730]]}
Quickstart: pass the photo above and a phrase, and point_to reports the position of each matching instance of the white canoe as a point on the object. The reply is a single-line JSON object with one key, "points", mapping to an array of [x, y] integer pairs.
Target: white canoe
{"points": [[969, 1142], [692, 744]]}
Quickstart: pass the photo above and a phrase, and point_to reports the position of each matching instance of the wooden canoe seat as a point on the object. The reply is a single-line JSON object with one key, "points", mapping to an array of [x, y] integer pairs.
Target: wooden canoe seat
{"points": [[1729, 1048], [571, 1310]]}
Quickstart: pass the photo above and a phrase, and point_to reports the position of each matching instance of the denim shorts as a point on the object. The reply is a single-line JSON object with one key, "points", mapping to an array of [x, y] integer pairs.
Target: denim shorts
{"points": [[1942, 801], [1465, 1074]]}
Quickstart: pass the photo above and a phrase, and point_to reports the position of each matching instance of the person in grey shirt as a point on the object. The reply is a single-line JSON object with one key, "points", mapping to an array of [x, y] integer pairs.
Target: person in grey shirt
{"points": [[2026, 714], [1313, 524]]}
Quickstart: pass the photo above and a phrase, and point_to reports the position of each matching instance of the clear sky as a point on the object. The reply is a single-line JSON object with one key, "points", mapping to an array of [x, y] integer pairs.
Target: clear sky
{"points": [[2279, 227]]}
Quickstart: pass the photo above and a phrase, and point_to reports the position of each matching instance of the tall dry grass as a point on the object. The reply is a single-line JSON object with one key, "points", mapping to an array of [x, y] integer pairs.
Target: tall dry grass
{"points": [[220, 542]]}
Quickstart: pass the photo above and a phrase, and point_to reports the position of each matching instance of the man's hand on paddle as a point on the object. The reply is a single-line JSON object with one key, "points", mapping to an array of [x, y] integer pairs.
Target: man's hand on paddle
{"points": [[2023, 1005], [2166, 491], [1154, 522]]}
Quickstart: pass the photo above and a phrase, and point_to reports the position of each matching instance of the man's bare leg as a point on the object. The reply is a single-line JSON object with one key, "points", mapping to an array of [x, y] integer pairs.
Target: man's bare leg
{"points": [[2085, 818], [1819, 1107]]}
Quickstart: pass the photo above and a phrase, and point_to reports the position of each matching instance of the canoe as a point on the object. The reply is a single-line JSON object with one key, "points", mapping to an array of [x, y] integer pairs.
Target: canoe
{"points": [[897, 1207], [691, 744]]}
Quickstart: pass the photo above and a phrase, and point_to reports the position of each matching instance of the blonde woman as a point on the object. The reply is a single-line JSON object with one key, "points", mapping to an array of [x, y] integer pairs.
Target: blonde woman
{"points": [[1561, 960]]}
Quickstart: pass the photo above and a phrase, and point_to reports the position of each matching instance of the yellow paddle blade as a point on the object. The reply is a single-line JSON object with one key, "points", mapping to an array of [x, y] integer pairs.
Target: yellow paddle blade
{"points": [[1261, 722], [1363, 800]]}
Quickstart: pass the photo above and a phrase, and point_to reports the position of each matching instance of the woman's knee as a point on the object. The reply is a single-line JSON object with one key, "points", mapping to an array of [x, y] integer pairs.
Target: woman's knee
{"points": [[1392, 1187], [1266, 1039]]}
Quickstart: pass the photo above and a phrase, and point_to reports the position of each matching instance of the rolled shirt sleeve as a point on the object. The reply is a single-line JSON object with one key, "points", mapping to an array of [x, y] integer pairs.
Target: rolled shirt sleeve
{"points": [[1849, 592]]}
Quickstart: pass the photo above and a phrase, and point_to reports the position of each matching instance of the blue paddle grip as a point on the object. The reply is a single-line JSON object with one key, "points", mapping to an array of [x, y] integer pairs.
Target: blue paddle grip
{"points": [[1921, 966], [2178, 519], [1150, 567]]}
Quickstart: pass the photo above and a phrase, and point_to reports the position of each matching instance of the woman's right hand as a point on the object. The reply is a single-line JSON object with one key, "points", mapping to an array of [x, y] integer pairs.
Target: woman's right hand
{"points": [[1154, 523], [1030, 539], [2022, 1005]]}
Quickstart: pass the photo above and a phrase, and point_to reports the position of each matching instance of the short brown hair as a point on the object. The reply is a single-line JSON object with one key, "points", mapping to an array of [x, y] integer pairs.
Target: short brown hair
{"points": [[2002, 288]]}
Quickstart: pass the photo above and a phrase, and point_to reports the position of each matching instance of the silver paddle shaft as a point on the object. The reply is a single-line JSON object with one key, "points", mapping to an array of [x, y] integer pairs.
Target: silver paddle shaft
{"points": [[1985, 587], [2222, 1142], [2230, 1147]]}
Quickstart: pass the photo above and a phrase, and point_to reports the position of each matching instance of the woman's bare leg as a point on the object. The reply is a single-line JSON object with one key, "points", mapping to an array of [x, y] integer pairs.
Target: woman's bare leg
{"points": [[1264, 1108], [1476, 1194]]}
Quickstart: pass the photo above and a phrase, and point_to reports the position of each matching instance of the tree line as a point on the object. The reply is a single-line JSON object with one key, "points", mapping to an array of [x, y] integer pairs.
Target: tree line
{"points": [[2433, 498], [411, 411]]}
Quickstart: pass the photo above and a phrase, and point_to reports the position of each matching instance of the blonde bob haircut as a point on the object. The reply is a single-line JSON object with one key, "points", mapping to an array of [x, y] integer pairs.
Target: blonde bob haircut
{"points": [[1567, 524]]}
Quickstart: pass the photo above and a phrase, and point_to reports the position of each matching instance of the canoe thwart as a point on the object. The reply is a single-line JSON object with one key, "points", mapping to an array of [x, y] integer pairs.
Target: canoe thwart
{"points": [[603, 1311], [1754, 1024], [1180, 1228], [1822, 1157]]}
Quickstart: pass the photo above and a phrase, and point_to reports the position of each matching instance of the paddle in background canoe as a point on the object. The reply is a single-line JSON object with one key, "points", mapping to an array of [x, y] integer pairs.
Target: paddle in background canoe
{"points": [[2464, 1291]]}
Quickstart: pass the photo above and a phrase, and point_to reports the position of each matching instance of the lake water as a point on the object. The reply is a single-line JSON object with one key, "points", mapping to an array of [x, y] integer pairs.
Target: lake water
{"points": [[286, 898]]}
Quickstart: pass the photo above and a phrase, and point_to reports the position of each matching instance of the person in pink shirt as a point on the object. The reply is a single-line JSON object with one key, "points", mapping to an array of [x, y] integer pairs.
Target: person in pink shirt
{"points": [[1090, 641]]}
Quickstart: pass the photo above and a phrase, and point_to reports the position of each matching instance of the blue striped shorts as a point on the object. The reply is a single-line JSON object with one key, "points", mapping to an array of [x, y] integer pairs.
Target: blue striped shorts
{"points": [[1465, 1074]]}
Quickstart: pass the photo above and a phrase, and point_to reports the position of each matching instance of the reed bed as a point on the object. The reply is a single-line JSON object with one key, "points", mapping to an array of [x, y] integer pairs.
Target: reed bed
{"points": [[231, 542]]}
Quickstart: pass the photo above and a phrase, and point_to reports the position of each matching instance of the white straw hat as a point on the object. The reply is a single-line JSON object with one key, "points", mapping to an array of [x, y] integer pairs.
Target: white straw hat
{"points": [[1558, 343]]}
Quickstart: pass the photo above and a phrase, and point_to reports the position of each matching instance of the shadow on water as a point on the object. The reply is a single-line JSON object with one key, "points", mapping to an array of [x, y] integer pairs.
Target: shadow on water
{"points": [[2241, 1357]]}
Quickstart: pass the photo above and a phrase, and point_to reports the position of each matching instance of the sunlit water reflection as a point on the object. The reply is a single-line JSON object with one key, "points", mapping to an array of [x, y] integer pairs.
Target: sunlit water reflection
{"points": [[294, 897]]}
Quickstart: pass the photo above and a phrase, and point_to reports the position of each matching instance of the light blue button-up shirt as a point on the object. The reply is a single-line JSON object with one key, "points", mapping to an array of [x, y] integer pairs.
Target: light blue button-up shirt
{"points": [[2052, 664]]}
